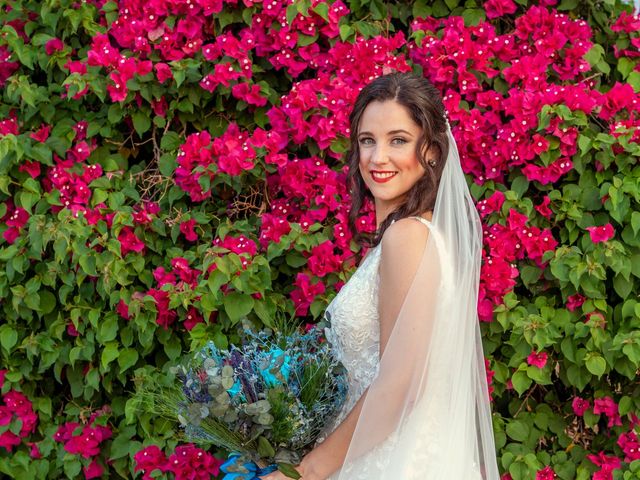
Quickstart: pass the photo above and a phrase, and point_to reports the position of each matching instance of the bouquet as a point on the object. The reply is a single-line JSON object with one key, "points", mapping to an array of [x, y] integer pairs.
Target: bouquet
{"points": [[266, 402]]}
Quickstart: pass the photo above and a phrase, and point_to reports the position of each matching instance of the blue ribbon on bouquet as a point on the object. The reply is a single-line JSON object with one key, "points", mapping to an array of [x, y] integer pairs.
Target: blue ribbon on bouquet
{"points": [[233, 470]]}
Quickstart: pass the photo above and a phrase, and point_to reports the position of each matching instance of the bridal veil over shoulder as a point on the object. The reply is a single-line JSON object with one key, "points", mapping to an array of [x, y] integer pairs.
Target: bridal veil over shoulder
{"points": [[427, 414]]}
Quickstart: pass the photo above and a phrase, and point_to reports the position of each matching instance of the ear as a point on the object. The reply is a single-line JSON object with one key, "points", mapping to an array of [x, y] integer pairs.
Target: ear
{"points": [[429, 154]]}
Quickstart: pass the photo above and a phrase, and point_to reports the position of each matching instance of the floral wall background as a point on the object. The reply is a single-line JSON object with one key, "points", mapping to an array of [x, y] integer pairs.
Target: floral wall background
{"points": [[170, 169]]}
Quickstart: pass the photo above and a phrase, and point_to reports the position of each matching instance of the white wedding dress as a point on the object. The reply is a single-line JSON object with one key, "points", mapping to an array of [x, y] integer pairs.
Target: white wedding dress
{"points": [[355, 335]]}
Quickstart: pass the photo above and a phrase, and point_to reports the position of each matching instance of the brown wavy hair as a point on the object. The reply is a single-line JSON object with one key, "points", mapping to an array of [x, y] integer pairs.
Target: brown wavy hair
{"points": [[424, 103]]}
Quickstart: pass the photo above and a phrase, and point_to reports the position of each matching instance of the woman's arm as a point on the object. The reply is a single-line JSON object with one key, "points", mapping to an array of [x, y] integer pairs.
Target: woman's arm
{"points": [[403, 246]]}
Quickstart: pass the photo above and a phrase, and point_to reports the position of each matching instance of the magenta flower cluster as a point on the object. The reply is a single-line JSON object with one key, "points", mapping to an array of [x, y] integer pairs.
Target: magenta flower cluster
{"points": [[186, 463], [85, 440], [16, 406]]}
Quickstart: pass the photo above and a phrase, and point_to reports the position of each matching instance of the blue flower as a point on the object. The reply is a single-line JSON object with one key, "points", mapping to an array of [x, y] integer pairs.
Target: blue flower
{"points": [[275, 358], [233, 470]]}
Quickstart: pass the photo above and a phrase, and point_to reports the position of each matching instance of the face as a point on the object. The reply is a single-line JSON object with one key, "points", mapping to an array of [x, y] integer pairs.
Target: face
{"points": [[389, 165]]}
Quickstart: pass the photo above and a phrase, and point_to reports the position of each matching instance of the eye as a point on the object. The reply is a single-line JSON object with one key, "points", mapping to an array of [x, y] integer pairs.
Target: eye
{"points": [[398, 141], [366, 141]]}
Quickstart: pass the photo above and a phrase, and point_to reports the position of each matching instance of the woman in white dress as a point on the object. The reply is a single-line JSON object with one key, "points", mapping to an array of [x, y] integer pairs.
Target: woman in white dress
{"points": [[405, 324]]}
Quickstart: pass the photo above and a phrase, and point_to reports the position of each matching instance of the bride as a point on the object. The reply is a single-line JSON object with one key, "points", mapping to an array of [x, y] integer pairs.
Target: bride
{"points": [[405, 324]]}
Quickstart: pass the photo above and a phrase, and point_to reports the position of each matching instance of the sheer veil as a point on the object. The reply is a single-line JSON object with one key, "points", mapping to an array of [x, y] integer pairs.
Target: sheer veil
{"points": [[427, 414]]}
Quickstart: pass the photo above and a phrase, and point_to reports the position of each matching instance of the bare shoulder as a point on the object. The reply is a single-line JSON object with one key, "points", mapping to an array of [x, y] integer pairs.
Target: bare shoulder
{"points": [[404, 241]]}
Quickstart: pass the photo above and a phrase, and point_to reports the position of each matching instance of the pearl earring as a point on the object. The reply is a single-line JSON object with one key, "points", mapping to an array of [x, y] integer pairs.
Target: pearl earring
{"points": [[432, 162]]}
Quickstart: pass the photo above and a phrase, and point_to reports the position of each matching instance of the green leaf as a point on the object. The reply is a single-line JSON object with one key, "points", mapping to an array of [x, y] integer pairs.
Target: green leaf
{"points": [[141, 122], [264, 447], [595, 53], [170, 141], [622, 287], [88, 263], [520, 381], [289, 470], [518, 430], [635, 222], [8, 337], [47, 302], [237, 305], [634, 80], [568, 5], [167, 164], [625, 66], [345, 32], [108, 329], [127, 358], [109, 354], [596, 364], [322, 9]]}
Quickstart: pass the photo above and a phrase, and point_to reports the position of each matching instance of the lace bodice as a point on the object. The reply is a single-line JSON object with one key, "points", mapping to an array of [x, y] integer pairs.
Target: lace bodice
{"points": [[355, 329]]}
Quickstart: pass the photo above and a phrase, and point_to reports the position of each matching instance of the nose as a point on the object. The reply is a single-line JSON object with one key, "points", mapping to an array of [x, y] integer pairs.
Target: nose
{"points": [[379, 155]]}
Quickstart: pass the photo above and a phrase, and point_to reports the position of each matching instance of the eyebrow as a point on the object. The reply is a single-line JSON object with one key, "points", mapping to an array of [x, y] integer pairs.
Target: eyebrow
{"points": [[392, 132]]}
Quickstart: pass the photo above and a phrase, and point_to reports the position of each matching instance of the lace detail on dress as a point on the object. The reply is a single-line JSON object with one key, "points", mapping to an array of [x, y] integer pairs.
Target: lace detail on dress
{"points": [[355, 330]]}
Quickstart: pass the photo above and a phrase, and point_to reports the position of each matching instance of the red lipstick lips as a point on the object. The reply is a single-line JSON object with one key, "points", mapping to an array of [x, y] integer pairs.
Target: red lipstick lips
{"points": [[382, 176]]}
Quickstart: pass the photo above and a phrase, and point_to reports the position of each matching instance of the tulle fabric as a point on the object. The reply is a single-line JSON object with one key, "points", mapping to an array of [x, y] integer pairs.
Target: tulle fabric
{"points": [[427, 414]]}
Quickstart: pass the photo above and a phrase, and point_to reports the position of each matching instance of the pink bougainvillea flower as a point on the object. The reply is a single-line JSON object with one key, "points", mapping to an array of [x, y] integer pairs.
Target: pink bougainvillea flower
{"points": [[250, 94], [187, 228], [546, 473], [537, 359], [630, 445], [160, 106], [87, 443], [498, 8], [163, 277], [580, 405], [129, 242], [149, 459], [609, 407], [602, 233], [9, 126], [72, 331], [187, 274], [123, 310], [65, 432], [492, 204], [8, 440], [42, 134], [11, 234], [34, 450], [19, 218], [17, 405], [163, 72], [543, 209], [272, 229], [192, 463], [53, 45], [193, 318], [490, 374], [76, 67], [165, 316], [606, 463], [94, 470], [575, 301], [323, 260], [118, 90], [305, 293]]}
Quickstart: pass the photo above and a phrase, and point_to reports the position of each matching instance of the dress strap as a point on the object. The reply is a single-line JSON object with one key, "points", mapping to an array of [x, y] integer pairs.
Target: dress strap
{"points": [[424, 221]]}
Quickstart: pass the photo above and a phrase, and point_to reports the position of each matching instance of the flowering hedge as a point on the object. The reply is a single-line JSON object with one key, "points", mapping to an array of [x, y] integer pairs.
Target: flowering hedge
{"points": [[172, 169]]}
